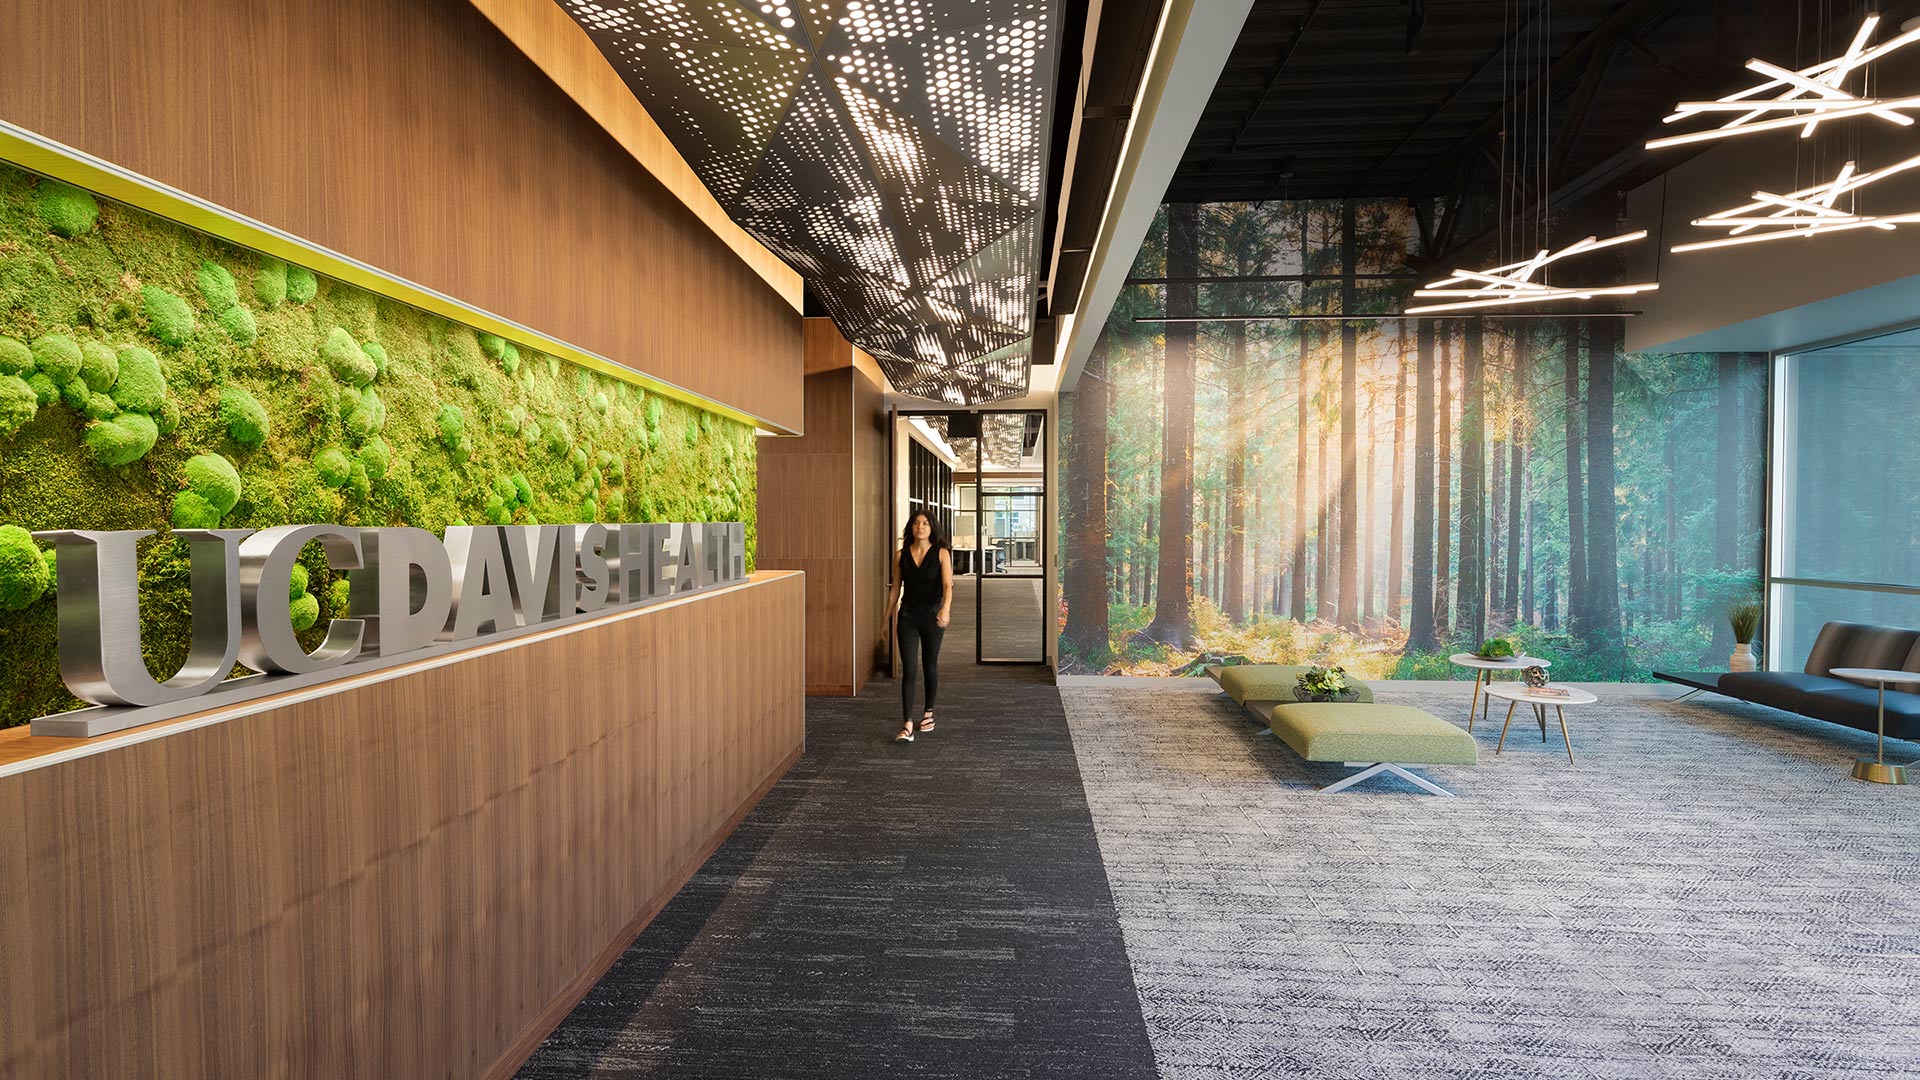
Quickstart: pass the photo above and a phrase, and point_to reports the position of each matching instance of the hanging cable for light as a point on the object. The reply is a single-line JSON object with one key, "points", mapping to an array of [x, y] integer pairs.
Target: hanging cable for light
{"points": [[1514, 283], [1830, 99], [1524, 171]]}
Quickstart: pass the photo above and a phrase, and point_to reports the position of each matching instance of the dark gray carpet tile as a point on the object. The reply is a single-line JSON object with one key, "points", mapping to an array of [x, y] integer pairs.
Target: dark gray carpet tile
{"points": [[1705, 894], [934, 910]]}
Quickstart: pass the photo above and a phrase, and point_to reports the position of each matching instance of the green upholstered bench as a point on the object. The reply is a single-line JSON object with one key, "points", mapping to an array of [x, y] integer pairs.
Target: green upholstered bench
{"points": [[1383, 738], [1247, 683]]}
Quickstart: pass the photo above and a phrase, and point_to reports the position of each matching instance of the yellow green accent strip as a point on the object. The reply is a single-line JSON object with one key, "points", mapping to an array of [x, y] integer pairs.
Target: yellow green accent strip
{"points": [[36, 153]]}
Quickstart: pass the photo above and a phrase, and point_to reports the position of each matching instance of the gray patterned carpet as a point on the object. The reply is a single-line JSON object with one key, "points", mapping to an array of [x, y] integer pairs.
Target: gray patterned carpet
{"points": [[1706, 894]]}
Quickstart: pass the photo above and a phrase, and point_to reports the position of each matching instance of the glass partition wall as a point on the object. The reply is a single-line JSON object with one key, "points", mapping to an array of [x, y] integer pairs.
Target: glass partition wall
{"points": [[1845, 538], [994, 499]]}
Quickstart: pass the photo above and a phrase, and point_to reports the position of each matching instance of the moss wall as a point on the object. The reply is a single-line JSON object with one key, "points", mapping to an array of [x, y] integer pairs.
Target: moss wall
{"points": [[153, 377]]}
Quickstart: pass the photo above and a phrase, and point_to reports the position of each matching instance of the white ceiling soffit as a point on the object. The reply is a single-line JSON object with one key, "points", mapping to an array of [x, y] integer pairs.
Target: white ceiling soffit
{"points": [[891, 151], [1189, 52]]}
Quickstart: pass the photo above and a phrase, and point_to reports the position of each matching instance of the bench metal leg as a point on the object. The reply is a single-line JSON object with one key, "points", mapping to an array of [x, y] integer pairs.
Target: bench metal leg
{"points": [[1376, 769], [1687, 695]]}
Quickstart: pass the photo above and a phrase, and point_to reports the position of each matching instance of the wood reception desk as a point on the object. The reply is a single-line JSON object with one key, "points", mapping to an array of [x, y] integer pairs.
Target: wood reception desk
{"points": [[410, 873]]}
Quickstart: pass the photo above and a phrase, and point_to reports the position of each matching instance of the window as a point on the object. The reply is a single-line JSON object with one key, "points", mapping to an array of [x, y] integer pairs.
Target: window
{"points": [[1846, 491], [963, 524]]}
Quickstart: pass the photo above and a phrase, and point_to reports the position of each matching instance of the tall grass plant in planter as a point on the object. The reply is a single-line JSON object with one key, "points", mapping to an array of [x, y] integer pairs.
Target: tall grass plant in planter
{"points": [[1745, 620]]}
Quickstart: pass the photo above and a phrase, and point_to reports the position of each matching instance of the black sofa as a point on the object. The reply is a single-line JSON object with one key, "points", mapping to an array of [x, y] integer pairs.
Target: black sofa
{"points": [[1815, 693]]}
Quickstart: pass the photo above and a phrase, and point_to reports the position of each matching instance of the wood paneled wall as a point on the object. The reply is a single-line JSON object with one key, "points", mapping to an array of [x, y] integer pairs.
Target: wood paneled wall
{"points": [[414, 136], [822, 509], [548, 35], [413, 877], [874, 535]]}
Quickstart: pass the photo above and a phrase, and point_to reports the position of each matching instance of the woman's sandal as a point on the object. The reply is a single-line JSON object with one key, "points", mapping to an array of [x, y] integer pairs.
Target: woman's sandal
{"points": [[904, 736], [926, 722]]}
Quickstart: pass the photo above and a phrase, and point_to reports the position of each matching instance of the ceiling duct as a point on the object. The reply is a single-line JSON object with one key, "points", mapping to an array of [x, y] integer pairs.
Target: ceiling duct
{"points": [[891, 151]]}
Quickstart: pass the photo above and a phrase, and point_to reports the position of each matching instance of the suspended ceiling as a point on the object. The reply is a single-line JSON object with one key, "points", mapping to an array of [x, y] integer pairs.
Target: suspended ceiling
{"points": [[891, 151]]}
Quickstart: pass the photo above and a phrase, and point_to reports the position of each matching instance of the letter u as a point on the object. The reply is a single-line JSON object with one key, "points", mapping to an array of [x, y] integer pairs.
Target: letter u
{"points": [[99, 598]]}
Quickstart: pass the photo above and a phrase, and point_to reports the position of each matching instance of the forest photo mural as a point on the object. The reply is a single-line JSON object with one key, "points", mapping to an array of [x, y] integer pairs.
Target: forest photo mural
{"points": [[1379, 494], [153, 377]]}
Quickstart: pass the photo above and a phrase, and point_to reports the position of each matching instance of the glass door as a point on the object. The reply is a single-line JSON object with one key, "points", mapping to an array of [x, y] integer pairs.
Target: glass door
{"points": [[1010, 524]]}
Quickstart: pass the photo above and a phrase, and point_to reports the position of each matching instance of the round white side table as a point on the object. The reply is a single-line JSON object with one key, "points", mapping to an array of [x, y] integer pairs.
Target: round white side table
{"points": [[1514, 695], [1878, 771], [1483, 670]]}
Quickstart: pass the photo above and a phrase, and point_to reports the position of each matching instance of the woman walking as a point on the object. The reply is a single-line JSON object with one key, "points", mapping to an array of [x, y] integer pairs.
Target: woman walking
{"points": [[925, 577]]}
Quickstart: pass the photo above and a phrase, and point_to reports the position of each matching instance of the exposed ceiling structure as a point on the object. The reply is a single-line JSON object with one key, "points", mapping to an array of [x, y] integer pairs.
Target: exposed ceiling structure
{"points": [[891, 151], [1329, 99]]}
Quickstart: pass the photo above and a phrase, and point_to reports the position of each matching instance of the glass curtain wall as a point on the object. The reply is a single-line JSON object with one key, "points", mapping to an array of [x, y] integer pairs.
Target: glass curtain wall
{"points": [[1846, 491]]}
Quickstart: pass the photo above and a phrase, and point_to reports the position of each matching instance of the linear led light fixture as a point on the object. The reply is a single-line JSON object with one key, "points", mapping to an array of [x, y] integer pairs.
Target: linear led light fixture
{"points": [[1807, 212], [1287, 317], [1514, 283], [1828, 100]]}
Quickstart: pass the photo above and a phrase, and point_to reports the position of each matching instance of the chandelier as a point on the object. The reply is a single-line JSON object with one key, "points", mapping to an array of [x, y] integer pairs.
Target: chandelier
{"points": [[1804, 99]]}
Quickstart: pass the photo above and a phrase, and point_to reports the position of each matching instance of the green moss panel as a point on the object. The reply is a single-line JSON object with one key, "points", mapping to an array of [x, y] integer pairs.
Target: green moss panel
{"points": [[152, 377]]}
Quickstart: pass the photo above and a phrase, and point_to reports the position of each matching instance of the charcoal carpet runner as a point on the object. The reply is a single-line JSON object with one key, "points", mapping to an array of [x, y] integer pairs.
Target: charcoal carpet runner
{"points": [[934, 910]]}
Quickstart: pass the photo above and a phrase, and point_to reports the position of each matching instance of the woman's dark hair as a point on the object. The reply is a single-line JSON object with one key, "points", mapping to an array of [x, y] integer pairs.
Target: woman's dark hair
{"points": [[936, 536]]}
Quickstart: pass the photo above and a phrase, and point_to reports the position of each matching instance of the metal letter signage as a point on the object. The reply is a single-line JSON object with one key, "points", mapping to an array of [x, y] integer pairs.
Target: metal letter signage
{"points": [[267, 641], [410, 595], [100, 656]]}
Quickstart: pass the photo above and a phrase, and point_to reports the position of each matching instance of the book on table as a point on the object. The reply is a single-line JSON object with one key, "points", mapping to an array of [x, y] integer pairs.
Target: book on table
{"points": [[1549, 691]]}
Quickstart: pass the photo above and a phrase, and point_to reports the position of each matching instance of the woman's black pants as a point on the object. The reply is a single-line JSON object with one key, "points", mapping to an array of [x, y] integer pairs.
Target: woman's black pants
{"points": [[919, 637]]}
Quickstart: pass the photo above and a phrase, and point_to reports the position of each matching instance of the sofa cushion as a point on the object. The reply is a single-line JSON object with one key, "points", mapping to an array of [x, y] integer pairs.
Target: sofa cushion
{"points": [[1858, 707], [1402, 734], [1779, 689], [1860, 645], [1268, 682]]}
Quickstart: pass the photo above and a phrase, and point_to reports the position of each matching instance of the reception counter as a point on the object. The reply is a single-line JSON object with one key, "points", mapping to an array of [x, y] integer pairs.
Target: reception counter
{"points": [[414, 872]]}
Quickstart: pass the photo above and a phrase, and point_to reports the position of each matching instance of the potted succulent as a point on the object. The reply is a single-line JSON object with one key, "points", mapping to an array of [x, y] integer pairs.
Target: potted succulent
{"points": [[1498, 648], [1745, 620], [1324, 684]]}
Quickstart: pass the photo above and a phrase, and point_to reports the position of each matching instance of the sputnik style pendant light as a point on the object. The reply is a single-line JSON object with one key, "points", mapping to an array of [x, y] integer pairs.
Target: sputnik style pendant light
{"points": [[1514, 283], [1805, 98], [1807, 212]]}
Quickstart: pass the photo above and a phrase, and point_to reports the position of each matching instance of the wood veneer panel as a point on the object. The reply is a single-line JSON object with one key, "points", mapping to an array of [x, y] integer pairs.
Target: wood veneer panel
{"points": [[413, 136], [552, 40], [873, 547], [807, 514], [826, 349], [399, 879]]}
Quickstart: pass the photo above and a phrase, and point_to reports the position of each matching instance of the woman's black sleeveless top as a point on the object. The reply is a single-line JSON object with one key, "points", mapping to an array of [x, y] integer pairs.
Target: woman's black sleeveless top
{"points": [[922, 583]]}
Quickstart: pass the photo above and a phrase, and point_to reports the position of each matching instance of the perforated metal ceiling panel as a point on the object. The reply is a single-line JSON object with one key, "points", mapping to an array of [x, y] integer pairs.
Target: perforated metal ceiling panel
{"points": [[891, 151]]}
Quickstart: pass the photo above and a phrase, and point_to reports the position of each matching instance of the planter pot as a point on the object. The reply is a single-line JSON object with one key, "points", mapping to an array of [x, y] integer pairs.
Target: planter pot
{"points": [[1302, 695], [1742, 658]]}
